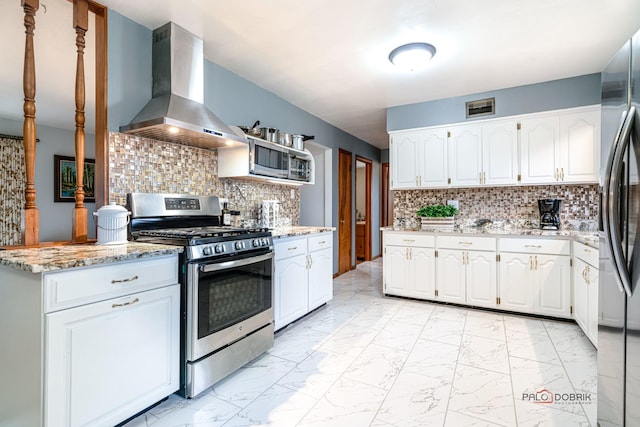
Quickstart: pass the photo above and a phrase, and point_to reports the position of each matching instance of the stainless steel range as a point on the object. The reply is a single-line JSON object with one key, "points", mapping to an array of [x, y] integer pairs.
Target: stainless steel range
{"points": [[226, 276]]}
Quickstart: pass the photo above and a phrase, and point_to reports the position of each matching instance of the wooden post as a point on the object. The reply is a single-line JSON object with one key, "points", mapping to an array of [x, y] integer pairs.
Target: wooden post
{"points": [[31, 215], [81, 25]]}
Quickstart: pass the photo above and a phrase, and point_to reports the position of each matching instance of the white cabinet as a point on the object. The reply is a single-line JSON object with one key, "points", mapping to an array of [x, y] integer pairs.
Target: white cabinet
{"points": [[561, 148], [465, 155], [89, 346], [409, 265], [418, 159], [535, 276], [585, 289], [500, 152], [466, 270], [484, 153], [303, 276], [108, 360], [320, 270]]}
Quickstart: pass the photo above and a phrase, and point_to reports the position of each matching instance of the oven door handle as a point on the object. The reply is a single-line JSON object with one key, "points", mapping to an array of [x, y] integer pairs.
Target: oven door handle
{"points": [[206, 268]]}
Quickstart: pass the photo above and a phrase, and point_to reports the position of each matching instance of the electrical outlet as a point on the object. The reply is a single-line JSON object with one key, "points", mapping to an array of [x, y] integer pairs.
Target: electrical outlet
{"points": [[293, 193], [454, 203]]}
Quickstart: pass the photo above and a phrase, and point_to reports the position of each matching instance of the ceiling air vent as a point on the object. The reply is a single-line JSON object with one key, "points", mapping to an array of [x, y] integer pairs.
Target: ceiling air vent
{"points": [[481, 107]]}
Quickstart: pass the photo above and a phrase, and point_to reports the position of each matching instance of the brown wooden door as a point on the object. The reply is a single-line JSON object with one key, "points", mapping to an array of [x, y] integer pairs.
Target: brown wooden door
{"points": [[345, 180]]}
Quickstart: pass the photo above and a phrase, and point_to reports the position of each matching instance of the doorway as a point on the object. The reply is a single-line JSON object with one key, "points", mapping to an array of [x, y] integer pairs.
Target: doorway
{"points": [[363, 209], [345, 215]]}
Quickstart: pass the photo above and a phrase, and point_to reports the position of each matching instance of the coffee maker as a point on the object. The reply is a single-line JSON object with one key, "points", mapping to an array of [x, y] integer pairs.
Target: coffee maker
{"points": [[549, 213]]}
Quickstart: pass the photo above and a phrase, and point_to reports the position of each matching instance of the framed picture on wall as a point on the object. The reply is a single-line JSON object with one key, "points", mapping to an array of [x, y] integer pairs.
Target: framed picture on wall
{"points": [[64, 179]]}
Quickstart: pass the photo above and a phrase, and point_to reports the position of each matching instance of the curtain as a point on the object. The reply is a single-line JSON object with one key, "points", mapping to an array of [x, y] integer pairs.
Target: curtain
{"points": [[12, 187]]}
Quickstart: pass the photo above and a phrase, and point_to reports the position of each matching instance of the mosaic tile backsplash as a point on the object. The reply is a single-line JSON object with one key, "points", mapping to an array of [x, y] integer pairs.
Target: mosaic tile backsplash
{"points": [[579, 202], [145, 165]]}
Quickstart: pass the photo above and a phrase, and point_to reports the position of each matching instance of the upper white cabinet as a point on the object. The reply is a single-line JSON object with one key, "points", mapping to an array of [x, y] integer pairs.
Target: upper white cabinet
{"points": [[484, 153], [561, 148], [465, 155], [543, 148], [419, 159]]}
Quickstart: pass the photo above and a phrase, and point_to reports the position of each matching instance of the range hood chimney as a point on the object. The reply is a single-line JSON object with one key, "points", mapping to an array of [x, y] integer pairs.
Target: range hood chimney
{"points": [[176, 112]]}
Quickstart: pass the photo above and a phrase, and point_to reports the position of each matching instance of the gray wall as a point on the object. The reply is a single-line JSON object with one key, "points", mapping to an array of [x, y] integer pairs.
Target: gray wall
{"points": [[236, 101], [55, 218], [552, 95]]}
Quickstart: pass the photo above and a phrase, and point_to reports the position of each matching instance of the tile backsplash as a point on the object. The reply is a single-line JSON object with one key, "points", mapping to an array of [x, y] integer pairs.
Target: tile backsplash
{"points": [[579, 202], [145, 165]]}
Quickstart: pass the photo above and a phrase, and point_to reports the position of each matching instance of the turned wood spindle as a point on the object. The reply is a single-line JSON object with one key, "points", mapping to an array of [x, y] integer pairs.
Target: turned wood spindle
{"points": [[31, 216], [81, 25]]}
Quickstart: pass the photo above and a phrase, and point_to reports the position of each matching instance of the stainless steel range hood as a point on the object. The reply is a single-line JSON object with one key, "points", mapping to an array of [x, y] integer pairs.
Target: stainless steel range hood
{"points": [[176, 112]]}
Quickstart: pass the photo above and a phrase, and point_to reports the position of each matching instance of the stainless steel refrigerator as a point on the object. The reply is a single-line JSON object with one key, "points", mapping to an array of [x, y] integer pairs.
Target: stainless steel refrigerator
{"points": [[619, 293]]}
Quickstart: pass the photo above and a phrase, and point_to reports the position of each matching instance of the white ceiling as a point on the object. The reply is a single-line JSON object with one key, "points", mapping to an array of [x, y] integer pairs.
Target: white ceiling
{"points": [[330, 57]]}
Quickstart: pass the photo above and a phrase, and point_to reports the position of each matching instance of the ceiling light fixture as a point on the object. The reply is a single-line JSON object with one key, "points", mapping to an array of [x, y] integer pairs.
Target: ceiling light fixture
{"points": [[412, 56]]}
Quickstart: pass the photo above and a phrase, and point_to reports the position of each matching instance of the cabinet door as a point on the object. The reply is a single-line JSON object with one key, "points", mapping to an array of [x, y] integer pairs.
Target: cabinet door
{"points": [[580, 146], [580, 294], [320, 277], [397, 272], [515, 282], [592, 309], [404, 160], [422, 273], [500, 152], [432, 158], [107, 361], [465, 155], [451, 276], [539, 150], [481, 278], [553, 290], [290, 289]]}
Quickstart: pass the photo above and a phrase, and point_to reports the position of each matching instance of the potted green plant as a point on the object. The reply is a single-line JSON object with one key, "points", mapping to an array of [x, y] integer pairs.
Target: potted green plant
{"points": [[437, 216]]}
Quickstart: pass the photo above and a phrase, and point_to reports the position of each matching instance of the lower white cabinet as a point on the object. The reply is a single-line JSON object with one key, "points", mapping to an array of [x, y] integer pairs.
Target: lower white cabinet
{"points": [[535, 276], [466, 270], [108, 360], [303, 276], [409, 265], [88, 346], [585, 290]]}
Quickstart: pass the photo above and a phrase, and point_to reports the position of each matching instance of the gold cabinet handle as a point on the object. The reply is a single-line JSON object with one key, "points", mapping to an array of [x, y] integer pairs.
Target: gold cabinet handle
{"points": [[293, 248], [561, 174], [587, 250], [533, 246], [125, 304], [465, 243], [408, 240], [130, 279], [536, 262], [322, 242], [530, 262]]}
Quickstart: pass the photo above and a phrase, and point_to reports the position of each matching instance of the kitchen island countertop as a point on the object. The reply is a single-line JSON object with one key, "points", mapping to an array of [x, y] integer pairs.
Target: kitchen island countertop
{"points": [[50, 258], [292, 231]]}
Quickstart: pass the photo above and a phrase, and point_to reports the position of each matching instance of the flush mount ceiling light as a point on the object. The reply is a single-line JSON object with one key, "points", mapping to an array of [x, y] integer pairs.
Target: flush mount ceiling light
{"points": [[412, 56]]}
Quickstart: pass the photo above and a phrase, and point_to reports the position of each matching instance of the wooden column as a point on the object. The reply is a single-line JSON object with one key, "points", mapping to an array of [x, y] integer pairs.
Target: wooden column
{"points": [[81, 25], [31, 215]]}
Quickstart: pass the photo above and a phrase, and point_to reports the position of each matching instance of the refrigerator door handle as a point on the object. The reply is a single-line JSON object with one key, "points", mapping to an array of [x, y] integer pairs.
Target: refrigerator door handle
{"points": [[615, 236]]}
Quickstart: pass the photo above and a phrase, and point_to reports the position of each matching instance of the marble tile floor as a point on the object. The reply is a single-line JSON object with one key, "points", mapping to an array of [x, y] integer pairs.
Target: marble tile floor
{"points": [[369, 360]]}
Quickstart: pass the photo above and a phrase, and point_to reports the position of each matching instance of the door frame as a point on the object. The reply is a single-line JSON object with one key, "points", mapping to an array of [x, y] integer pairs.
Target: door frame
{"points": [[367, 188], [386, 202], [345, 240]]}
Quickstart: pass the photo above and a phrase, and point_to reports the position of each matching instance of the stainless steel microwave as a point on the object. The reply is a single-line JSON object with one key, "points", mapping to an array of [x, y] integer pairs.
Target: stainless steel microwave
{"points": [[273, 160]]}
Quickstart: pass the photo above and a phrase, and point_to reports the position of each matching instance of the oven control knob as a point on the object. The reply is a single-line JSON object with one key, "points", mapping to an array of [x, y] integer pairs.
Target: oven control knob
{"points": [[239, 245], [256, 243], [219, 248], [206, 250]]}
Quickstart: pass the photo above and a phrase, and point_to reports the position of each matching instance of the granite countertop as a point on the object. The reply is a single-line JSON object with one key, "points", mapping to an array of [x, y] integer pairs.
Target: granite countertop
{"points": [[291, 231], [589, 238], [50, 258]]}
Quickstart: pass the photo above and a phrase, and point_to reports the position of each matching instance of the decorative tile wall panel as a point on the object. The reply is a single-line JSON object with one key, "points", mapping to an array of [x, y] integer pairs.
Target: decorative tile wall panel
{"points": [[579, 202], [145, 165]]}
